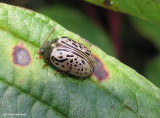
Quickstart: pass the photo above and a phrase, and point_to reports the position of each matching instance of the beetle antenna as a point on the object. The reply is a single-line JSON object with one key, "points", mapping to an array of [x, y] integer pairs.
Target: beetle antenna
{"points": [[49, 35]]}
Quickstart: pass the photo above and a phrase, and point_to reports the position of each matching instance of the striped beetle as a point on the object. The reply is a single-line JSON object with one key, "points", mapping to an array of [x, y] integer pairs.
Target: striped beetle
{"points": [[68, 55]]}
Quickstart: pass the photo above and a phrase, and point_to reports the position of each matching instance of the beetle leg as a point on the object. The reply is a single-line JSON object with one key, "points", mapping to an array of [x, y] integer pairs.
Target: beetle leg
{"points": [[57, 72], [38, 53], [40, 57], [61, 72], [45, 65]]}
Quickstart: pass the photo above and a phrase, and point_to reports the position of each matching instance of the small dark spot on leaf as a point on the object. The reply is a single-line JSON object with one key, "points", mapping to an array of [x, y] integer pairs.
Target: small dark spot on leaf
{"points": [[108, 2], [112, 106], [21, 55]]}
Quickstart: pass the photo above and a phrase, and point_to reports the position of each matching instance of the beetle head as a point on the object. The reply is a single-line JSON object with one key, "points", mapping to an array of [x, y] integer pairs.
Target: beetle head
{"points": [[47, 48]]}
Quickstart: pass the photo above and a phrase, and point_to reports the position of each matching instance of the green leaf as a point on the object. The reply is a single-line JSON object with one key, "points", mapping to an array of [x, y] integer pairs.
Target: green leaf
{"points": [[113, 90], [77, 22], [145, 9], [147, 29], [152, 70]]}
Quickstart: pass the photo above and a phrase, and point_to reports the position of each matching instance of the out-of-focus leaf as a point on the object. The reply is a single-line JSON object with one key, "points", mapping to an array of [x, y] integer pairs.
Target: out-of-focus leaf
{"points": [[147, 29], [145, 9], [113, 90], [77, 22], [152, 71]]}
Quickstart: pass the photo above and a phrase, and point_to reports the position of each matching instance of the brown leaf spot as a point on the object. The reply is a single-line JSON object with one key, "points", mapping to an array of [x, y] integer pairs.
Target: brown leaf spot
{"points": [[21, 56], [99, 70]]}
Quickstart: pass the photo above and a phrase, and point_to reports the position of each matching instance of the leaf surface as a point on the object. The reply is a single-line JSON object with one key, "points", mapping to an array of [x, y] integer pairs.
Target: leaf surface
{"points": [[145, 9], [113, 90]]}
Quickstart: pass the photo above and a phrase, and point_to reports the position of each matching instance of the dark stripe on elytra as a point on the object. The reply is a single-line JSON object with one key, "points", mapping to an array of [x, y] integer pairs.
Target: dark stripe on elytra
{"points": [[75, 48], [60, 61], [79, 51], [69, 55], [83, 58], [72, 51], [74, 44], [65, 50], [87, 53]]}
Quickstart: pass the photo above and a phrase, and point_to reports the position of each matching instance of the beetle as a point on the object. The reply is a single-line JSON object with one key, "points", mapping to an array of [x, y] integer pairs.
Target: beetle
{"points": [[68, 55]]}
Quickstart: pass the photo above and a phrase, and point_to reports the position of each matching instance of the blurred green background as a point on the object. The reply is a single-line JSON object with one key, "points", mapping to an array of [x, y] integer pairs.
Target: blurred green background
{"points": [[133, 41]]}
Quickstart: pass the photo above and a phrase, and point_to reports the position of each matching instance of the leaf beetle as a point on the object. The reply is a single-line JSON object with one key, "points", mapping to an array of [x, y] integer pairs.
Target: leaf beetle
{"points": [[68, 55]]}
